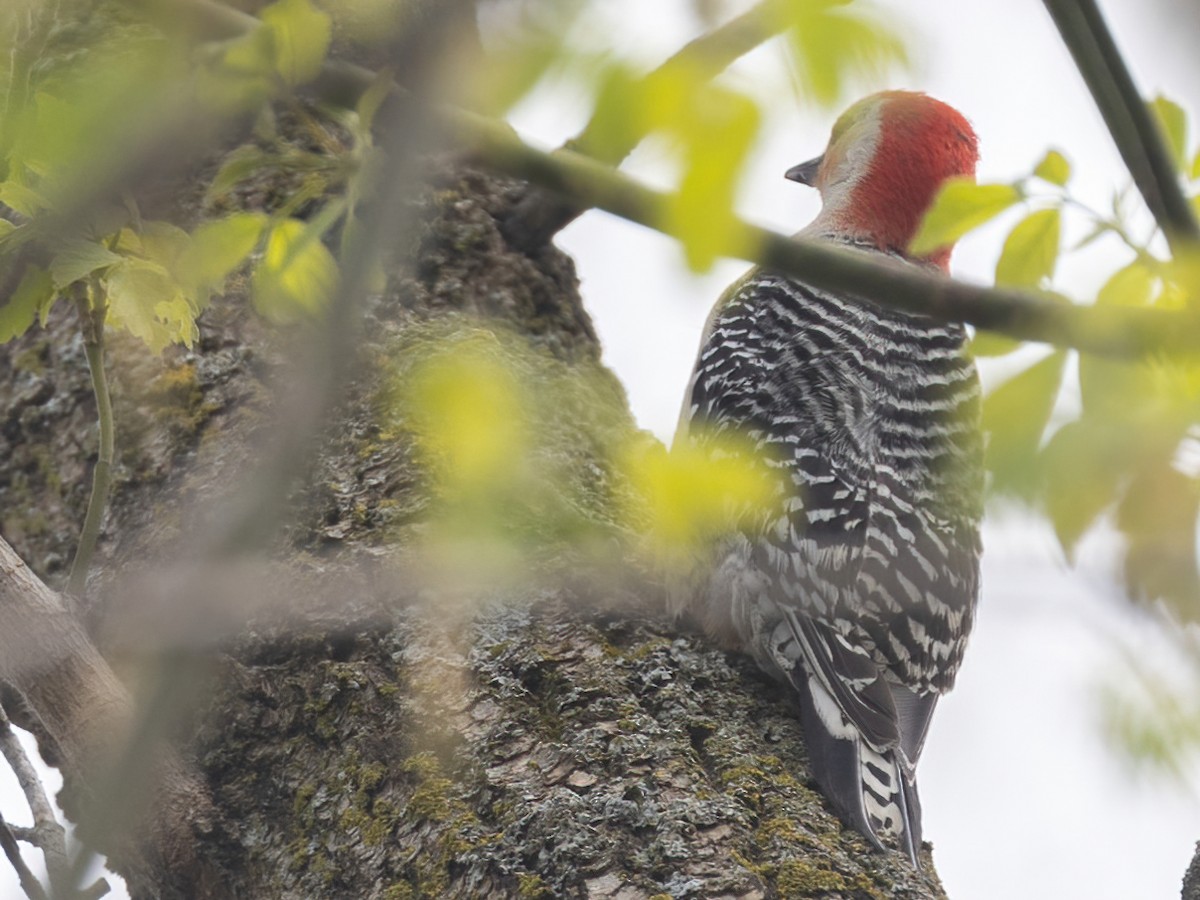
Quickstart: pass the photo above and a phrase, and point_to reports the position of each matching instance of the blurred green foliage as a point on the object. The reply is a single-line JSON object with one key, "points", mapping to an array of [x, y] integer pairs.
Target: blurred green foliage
{"points": [[86, 86], [697, 492], [75, 93], [521, 452]]}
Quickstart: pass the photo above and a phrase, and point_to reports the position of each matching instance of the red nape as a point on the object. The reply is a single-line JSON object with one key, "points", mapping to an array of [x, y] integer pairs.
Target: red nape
{"points": [[922, 143]]}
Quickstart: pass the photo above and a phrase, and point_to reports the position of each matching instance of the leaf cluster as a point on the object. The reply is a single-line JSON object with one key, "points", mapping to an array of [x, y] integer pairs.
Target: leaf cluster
{"points": [[1086, 439], [151, 278]]}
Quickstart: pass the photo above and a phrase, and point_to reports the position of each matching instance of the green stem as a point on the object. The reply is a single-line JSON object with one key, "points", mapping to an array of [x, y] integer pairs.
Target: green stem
{"points": [[92, 323], [1129, 121]]}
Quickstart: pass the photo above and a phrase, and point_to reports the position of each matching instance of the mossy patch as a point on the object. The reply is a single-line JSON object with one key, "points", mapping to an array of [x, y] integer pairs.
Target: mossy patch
{"points": [[800, 879]]}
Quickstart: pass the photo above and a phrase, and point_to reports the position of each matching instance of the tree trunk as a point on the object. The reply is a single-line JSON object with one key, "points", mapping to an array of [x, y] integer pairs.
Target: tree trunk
{"points": [[364, 728]]}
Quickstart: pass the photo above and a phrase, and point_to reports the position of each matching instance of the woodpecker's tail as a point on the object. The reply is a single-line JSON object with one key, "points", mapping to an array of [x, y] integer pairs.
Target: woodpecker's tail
{"points": [[856, 735]]}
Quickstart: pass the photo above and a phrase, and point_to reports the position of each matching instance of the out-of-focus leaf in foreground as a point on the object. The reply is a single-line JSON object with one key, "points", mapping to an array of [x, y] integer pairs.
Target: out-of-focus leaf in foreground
{"points": [[1030, 252], [519, 449], [834, 42], [960, 206], [698, 490], [1053, 168], [1151, 708], [1015, 416], [287, 50], [1172, 120], [701, 212]]}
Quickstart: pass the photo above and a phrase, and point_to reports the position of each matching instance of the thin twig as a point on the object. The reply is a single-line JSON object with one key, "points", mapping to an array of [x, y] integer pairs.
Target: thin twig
{"points": [[47, 833], [1127, 117], [29, 883], [1109, 331], [91, 315]]}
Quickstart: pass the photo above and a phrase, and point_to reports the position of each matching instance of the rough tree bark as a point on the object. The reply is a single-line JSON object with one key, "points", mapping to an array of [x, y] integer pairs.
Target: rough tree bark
{"points": [[360, 732]]}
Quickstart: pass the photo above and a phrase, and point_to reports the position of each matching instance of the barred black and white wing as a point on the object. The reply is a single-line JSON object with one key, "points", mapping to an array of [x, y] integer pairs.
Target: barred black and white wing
{"points": [[857, 586]]}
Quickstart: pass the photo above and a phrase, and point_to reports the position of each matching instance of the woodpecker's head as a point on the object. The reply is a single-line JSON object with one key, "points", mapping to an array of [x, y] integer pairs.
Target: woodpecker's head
{"points": [[888, 155]]}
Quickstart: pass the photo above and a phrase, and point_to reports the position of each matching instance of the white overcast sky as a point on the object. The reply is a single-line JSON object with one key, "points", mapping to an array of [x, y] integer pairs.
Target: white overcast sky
{"points": [[1022, 798]]}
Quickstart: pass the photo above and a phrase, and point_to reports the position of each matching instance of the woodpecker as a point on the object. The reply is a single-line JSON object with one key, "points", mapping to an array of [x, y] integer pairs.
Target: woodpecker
{"points": [[857, 584]]}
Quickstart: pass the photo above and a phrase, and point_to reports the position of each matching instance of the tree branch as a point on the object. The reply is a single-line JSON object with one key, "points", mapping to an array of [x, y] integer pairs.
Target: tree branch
{"points": [[1120, 332], [585, 183], [1109, 331], [539, 214], [1127, 117], [29, 884], [51, 663], [48, 834]]}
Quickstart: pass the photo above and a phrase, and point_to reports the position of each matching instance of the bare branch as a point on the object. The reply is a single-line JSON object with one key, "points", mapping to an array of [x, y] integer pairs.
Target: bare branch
{"points": [[49, 660], [1130, 123], [29, 884], [47, 833]]}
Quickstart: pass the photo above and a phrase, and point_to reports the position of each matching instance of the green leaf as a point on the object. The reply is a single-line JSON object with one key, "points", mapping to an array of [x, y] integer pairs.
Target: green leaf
{"points": [[620, 111], [701, 212], [1111, 390], [1015, 416], [297, 274], [22, 199], [78, 260], [468, 414], [1054, 168], [992, 343], [833, 42], [145, 301], [1194, 172], [1132, 285], [960, 205], [1172, 119], [242, 74], [1158, 516], [164, 243], [1081, 475], [1031, 250], [698, 490], [35, 292], [216, 249], [301, 38]]}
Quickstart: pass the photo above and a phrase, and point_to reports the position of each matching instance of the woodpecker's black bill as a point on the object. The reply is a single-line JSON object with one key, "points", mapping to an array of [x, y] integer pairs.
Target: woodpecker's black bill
{"points": [[805, 173]]}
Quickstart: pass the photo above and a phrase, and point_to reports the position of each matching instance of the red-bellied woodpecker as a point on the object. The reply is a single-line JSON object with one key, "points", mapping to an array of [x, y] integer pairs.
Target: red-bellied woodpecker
{"points": [[857, 585]]}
